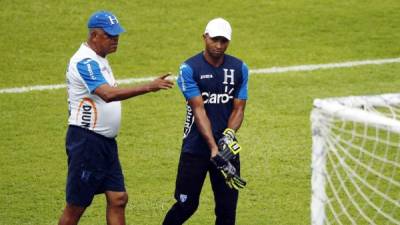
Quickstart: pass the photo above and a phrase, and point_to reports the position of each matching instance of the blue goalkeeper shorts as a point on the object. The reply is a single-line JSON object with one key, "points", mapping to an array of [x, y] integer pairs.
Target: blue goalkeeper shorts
{"points": [[93, 166]]}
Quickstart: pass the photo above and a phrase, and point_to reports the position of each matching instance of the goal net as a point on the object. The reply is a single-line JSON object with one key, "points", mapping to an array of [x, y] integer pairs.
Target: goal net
{"points": [[356, 160]]}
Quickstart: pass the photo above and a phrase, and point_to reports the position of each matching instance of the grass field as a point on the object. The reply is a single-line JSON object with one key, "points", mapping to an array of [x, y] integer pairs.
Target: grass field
{"points": [[38, 38]]}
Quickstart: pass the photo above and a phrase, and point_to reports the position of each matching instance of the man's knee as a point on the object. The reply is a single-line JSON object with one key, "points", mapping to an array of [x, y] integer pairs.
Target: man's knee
{"points": [[188, 207], [117, 199], [180, 212]]}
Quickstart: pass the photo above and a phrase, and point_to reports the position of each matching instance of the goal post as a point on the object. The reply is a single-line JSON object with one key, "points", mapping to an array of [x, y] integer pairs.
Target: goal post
{"points": [[356, 160]]}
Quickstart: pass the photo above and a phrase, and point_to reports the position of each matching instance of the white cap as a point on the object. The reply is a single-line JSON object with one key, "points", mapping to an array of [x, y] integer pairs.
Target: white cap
{"points": [[219, 27]]}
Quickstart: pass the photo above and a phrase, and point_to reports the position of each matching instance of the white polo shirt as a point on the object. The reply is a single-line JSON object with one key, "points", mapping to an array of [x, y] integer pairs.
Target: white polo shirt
{"points": [[87, 71]]}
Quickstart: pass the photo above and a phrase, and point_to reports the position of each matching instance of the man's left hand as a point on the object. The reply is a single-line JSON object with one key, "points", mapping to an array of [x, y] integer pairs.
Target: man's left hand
{"points": [[228, 171], [228, 145]]}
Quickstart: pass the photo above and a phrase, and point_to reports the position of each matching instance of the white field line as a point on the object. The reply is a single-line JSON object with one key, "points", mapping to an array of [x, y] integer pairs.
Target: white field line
{"points": [[271, 70], [324, 66]]}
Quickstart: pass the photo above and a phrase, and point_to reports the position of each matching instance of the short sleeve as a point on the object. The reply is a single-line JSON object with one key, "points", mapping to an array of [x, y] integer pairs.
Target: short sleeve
{"points": [[91, 74], [244, 85], [186, 82]]}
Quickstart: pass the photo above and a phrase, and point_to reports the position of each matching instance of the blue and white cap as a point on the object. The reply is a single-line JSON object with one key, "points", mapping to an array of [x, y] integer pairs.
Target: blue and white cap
{"points": [[106, 21]]}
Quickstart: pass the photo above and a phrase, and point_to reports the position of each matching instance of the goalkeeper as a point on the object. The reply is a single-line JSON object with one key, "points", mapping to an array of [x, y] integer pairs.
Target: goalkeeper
{"points": [[215, 87]]}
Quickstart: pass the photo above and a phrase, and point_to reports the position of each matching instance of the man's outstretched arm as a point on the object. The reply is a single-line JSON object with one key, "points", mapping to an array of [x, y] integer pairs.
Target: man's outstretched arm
{"points": [[109, 93]]}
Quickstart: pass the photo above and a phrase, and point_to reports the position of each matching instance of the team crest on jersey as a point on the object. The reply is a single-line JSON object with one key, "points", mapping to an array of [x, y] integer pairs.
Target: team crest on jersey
{"points": [[87, 113], [229, 76]]}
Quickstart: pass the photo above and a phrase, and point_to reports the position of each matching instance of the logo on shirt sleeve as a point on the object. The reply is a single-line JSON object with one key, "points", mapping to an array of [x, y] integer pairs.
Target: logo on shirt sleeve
{"points": [[89, 68]]}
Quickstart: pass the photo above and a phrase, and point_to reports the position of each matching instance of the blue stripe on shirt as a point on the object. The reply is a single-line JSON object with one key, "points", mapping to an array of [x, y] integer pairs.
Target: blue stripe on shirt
{"points": [[186, 82], [244, 86], [90, 72]]}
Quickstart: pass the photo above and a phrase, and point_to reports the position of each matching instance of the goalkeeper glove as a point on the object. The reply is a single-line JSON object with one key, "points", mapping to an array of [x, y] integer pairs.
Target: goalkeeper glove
{"points": [[228, 145], [228, 171]]}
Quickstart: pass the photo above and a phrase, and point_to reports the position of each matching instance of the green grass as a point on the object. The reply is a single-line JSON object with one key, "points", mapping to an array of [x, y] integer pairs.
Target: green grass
{"points": [[39, 38]]}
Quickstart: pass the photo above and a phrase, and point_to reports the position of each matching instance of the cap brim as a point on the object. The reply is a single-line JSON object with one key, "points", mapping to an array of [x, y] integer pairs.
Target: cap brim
{"points": [[114, 30], [218, 34]]}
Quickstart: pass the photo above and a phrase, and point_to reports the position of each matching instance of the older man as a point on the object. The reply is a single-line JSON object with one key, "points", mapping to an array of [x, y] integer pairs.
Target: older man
{"points": [[94, 121]]}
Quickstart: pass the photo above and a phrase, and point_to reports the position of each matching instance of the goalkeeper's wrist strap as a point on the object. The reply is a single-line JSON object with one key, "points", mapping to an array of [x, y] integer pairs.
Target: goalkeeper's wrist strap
{"points": [[230, 133], [234, 147]]}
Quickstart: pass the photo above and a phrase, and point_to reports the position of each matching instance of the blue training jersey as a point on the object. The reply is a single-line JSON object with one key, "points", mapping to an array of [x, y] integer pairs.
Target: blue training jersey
{"points": [[218, 86]]}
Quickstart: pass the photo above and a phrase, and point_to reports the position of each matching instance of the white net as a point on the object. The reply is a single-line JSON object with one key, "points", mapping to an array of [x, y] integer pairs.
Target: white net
{"points": [[356, 160]]}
